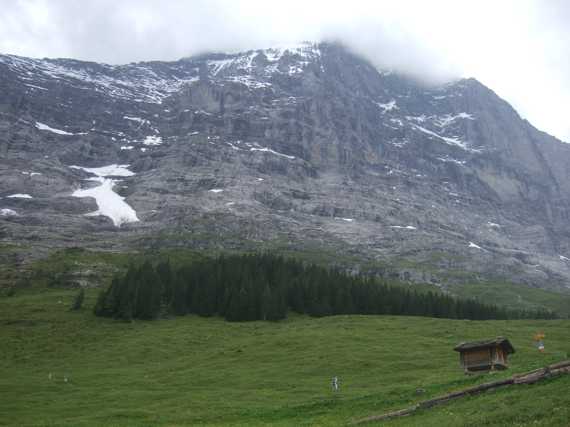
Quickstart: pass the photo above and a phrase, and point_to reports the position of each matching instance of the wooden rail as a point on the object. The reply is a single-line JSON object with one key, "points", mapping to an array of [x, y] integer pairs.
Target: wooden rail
{"points": [[531, 377]]}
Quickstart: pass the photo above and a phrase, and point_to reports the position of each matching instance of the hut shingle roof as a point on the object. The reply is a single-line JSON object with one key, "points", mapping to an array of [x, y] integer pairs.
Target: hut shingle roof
{"points": [[472, 345]]}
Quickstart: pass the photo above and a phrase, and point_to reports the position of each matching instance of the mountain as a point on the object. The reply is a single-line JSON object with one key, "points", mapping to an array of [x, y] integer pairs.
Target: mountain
{"points": [[306, 147]]}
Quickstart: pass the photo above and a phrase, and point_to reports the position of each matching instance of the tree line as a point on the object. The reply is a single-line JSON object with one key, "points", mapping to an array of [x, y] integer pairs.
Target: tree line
{"points": [[267, 287]]}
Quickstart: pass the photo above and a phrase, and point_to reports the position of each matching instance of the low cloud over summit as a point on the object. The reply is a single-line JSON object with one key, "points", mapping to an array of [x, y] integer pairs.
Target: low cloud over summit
{"points": [[518, 48]]}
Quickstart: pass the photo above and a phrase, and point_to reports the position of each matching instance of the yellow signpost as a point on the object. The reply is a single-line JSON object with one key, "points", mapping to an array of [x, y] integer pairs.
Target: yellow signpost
{"points": [[539, 339]]}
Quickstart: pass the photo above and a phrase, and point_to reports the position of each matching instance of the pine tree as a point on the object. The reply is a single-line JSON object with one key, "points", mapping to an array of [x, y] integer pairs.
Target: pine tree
{"points": [[237, 309], [99, 308], [265, 286], [273, 304], [165, 275], [78, 300], [149, 293], [178, 303], [124, 294]]}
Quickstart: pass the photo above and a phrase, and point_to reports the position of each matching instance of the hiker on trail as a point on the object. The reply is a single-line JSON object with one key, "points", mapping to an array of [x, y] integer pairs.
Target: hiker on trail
{"points": [[334, 384]]}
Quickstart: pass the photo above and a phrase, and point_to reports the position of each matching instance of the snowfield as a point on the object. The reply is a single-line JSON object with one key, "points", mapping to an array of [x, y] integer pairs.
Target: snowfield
{"points": [[447, 119], [388, 106], [19, 196], [148, 86], [8, 212], [450, 141], [43, 126], [152, 140], [269, 150], [474, 246], [110, 204], [111, 170]]}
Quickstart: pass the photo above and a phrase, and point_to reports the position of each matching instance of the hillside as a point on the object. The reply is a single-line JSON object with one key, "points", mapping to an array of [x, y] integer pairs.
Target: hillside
{"points": [[296, 148], [205, 371], [75, 267]]}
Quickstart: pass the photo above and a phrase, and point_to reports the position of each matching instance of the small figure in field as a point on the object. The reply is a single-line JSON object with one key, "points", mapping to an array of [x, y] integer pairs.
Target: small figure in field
{"points": [[539, 338], [334, 384]]}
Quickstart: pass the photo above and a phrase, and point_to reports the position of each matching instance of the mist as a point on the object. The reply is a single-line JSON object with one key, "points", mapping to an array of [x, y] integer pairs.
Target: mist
{"points": [[520, 49]]}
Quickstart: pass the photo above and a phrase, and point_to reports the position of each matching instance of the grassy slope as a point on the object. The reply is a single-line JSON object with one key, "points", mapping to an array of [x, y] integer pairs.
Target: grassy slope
{"points": [[97, 267], [190, 370], [514, 296]]}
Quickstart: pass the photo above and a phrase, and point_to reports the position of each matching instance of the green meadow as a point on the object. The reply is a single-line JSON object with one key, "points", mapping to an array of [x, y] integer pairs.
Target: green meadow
{"points": [[59, 367]]}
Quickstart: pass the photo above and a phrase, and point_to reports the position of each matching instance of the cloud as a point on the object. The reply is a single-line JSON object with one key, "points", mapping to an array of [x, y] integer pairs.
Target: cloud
{"points": [[519, 48]]}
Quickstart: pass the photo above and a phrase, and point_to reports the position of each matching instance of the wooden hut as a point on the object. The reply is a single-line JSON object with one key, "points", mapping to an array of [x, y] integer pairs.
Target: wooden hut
{"points": [[482, 356]]}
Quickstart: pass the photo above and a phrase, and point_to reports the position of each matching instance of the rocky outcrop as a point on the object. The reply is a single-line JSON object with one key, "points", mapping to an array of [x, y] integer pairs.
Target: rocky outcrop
{"points": [[300, 147]]}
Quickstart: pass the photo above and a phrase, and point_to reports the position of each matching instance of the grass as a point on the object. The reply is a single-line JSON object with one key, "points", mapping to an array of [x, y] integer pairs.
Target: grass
{"points": [[540, 405], [515, 296], [205, 371]]}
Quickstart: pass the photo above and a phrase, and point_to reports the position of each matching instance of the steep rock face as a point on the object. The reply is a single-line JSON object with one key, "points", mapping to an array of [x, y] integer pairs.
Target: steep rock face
{"points": [[306, 146]]}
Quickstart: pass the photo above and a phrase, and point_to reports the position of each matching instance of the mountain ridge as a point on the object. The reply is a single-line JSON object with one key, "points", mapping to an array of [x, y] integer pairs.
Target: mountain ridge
{"points": [[297, 146]]}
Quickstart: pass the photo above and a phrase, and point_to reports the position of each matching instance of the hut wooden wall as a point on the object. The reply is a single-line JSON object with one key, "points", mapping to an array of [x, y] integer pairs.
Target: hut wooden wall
{"points": [[477, 357]]}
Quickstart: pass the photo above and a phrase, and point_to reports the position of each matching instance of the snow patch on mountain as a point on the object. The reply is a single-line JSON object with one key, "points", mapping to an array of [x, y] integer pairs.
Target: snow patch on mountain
{"points": [[105, 171], [8, 212], [43, 126], [110, 204], [248, 81], [233, 146], [303, 50], [152, 140], [269, 150], [137, 120], [448, 159], [450, 141], [420, 119], [447, 119], [217, 65], [138, 83], [35, 87], [19, 196], [244, 67], [388, 106]]}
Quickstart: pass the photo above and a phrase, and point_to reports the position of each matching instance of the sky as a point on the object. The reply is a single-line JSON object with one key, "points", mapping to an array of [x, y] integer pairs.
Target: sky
{"points": [[518, 48]]}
